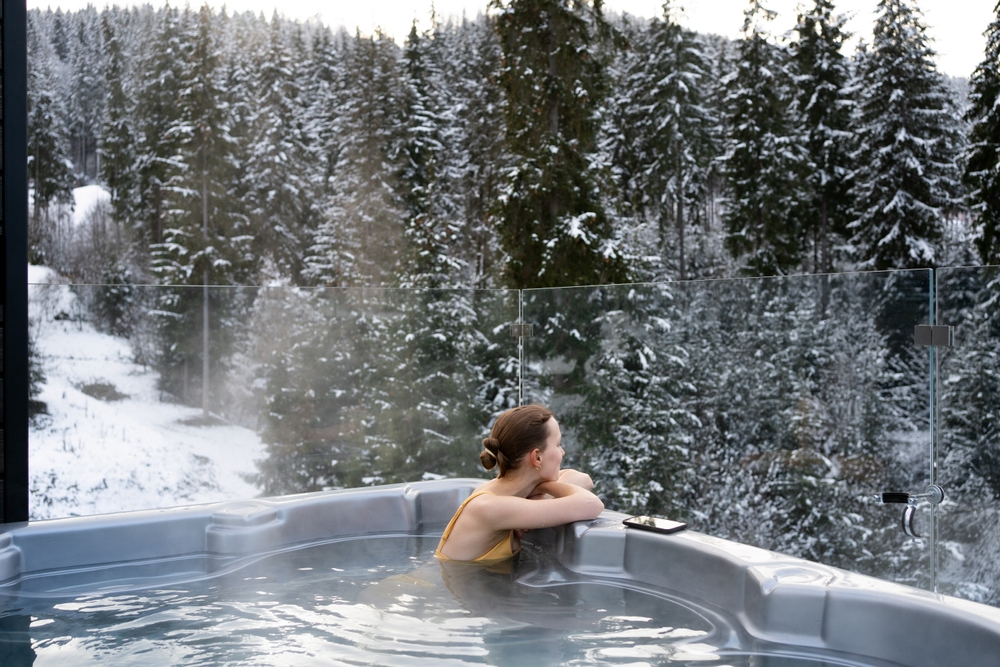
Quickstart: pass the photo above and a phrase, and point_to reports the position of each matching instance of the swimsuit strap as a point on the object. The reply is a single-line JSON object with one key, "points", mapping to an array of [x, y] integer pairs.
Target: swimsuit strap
{"points": [[458, 512], [499, 551]]}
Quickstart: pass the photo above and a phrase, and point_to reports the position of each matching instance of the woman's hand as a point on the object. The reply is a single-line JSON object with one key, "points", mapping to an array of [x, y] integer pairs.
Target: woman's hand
{"points": [[576, 478]]}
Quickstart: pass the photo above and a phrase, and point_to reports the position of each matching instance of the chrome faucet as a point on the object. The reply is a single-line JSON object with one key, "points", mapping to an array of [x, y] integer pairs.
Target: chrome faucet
{"points": [[933, 494]]}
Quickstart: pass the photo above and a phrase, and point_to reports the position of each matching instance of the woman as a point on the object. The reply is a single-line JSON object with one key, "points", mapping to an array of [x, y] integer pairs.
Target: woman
{"points": [[529, 492]]}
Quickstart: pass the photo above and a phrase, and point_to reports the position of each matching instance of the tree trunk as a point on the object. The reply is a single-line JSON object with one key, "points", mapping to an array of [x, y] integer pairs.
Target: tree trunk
{"points": [[681, 263], [553, 114], [824, 259], [157, 213], [681, 260], [204, 347], [204, 313], [824, 240], [37, 214]]}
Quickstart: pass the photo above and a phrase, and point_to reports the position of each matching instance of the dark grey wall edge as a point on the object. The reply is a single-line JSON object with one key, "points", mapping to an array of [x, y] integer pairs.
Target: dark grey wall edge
{"points": [[15, 233]]}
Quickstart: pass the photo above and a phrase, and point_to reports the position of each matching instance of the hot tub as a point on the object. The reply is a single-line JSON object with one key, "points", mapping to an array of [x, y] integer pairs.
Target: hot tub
{"points": [[348, 577]]}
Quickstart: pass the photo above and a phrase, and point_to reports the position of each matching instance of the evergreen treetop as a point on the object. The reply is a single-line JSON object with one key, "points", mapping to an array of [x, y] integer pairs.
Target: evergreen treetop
{"points": [[118, 136], [553, 225], [665, 130], [822, 76], [982, 165], [49, 167], [765, 162], [908, 141]]}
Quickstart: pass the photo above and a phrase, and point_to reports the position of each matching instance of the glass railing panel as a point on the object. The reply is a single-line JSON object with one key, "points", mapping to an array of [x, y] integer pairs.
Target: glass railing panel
{"points": [[768, 411], [304, 390], [968, 451]]}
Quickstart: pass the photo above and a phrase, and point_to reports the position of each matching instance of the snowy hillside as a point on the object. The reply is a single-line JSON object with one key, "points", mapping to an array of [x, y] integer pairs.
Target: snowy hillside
{"points": [[86, 199], [108, 443]]}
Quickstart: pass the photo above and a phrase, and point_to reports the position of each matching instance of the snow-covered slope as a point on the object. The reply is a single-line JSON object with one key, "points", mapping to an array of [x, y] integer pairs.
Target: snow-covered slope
{"points": [[93, 455], [85, 199]]}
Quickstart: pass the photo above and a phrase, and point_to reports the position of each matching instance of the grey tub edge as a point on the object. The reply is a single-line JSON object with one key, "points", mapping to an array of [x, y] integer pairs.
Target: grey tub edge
{"points": [[786, 600]]}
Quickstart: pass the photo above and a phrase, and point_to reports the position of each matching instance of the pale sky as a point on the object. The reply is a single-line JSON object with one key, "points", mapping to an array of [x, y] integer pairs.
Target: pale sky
{"points": [[956, 26]]}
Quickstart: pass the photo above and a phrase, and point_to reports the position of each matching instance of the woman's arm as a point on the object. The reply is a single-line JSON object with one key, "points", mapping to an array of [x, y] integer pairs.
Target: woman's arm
{"points": [[569, 476], [576, 477], [568, 503]]}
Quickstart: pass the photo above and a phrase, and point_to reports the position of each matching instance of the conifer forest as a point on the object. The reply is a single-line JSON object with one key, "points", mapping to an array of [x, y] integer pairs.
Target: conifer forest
{"points": [[722, 247]]}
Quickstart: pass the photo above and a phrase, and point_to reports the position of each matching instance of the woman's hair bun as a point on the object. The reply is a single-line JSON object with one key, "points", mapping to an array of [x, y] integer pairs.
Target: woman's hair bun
{"points": [[491, 444], [488, 459]]}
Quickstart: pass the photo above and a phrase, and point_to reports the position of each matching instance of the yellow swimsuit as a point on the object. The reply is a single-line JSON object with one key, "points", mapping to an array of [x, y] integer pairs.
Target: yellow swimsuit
{"points": [[500, 551]]}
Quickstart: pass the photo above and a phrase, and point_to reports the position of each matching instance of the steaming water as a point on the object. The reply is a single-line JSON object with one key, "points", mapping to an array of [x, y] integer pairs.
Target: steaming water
{"points": [[328, 605]]}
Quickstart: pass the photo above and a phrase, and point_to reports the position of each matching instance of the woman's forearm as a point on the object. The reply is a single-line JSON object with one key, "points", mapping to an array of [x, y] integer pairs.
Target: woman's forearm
{"points": [[558, 489], [564, 490], [552, 504], [577, 478]]}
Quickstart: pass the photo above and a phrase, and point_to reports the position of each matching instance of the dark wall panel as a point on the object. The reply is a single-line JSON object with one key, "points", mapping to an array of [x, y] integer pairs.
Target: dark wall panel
{"points": [[14, 246]]}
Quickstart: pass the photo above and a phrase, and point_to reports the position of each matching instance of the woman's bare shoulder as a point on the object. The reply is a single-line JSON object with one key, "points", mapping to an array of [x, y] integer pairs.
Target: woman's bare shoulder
{"points": [[486, 487]]}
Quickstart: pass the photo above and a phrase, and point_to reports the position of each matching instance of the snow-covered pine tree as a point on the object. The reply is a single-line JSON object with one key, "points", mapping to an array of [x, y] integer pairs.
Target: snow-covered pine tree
{"points": [[908, 140], [278, 164], [668, 128], [304, 356], [199, 205], [208, 234], [447, 342], [617, 146], [87, 92], [49, 166], [118, 140], [982, 163], [358, 240], [241, 39], [793, 415], [554, 229], [822, 76], [709, 257], [434, 220], [480, 154], [765, 162], [633, 424], [322, 74], [156, 113], [208, 240], [969, 461], [59, 32]]}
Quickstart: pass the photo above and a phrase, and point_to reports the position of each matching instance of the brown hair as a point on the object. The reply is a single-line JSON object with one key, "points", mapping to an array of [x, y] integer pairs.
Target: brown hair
{"points": [[515, 433]]}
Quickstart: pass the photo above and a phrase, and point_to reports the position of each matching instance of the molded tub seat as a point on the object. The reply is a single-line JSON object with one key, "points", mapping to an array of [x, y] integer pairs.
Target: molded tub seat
{"points": [[778, 599]]}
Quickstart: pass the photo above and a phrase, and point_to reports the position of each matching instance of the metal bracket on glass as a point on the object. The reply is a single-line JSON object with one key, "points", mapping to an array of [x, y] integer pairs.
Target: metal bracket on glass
{"points": [[520, 330], [937, 335], [933, 494]]}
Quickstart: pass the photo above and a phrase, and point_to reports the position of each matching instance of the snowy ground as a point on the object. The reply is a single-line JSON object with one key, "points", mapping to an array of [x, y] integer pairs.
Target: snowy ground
{"points": [[101, 452]]}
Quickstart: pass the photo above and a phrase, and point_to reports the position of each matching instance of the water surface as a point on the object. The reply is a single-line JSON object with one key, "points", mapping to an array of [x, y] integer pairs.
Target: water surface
{"points": [[329, 605]]}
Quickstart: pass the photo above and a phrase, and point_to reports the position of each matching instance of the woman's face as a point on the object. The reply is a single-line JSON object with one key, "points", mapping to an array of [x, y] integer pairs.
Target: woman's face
{"points": [[552, 453]]}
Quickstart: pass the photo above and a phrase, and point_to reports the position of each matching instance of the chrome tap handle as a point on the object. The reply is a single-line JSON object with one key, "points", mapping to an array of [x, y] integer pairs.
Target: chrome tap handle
{"points": [[907, 520], [933, 494]]}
